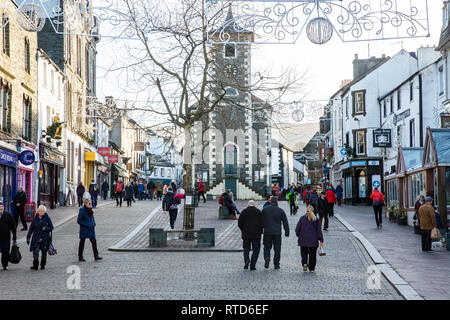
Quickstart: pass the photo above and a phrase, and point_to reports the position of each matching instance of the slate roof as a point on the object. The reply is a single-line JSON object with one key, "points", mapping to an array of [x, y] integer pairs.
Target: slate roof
{"points": [[441, 138]]}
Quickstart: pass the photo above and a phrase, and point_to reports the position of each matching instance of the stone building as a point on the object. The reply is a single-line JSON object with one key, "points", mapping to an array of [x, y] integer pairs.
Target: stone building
{"points": [[72, 49], [18, 104], [237, 133]]}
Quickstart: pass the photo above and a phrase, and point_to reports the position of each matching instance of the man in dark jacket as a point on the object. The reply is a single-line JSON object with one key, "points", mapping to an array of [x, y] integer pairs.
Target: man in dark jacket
{"points": [[7, 226], [273, 216], [151, 189], [322, 210], [105, 188], [251, 224], [313, 199], [20, 199], [94, 193], [170, 204]]}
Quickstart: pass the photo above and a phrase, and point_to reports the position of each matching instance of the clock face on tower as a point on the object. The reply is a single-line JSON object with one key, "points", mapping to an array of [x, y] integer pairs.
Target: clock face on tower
{"points": [[230, 71]]}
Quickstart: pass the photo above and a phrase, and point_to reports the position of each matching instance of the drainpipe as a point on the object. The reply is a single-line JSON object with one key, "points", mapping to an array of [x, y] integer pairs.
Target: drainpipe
{"points": [[421, 110]]}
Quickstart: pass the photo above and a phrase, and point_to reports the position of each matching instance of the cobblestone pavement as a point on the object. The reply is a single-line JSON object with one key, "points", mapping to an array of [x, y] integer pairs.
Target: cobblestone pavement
{"points": [[426, 272], [341, 274]]}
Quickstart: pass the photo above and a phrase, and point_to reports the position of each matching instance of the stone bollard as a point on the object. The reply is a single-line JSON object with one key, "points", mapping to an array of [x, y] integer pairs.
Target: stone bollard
{"points": [[206, 238], [224, 213], [157, 238]]}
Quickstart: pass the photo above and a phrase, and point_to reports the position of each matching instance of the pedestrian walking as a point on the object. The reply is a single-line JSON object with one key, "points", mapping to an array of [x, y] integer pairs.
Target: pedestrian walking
{"points": [[427, 220], [269, 197], [93, 190], [378, 202], [19, 202], [417, 205], [80, 193], [331, 197], [170, 204], [313, 198], [251, 224], [339, 194], [141, 190], [119, 192], [273, 217], [322, 210], [310, 237], [291, 198], [307, 195], [129, 193], [39, 233], [201, 190], [105, 189], [151, 189], [7, 227], [159, 189], [87, 230]]}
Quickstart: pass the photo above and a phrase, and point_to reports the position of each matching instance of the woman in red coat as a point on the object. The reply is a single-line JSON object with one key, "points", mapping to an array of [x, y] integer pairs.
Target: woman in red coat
{"points": [[331, 198], [201, 190]]}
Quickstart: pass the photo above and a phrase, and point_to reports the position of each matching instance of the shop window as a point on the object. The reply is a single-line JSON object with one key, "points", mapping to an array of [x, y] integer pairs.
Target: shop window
{"points": [[392, 193], [362, 184], [416, 187], [5, 35]]}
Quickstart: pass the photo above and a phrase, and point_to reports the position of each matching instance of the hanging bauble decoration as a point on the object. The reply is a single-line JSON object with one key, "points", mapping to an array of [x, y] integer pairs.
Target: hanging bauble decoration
{"points": [[298, 115], [319, 30], [32, 18]]}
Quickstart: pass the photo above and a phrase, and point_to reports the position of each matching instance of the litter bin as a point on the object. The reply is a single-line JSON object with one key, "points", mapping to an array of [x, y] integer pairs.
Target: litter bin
{"points": [[205, 238], [157, 238]]}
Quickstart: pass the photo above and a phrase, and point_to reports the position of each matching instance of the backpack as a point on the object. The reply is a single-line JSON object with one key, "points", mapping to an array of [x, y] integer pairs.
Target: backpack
{"points": [[221, 202], [307, 195]]}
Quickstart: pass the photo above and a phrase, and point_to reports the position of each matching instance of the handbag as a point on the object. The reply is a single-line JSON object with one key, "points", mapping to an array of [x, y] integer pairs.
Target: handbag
{"points": [[15, 256], [51, 248], [435, 233], [322, 251]]}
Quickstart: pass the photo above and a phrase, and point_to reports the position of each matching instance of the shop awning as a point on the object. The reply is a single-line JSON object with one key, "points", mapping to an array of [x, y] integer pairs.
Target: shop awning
{"points": [[120, 171]]}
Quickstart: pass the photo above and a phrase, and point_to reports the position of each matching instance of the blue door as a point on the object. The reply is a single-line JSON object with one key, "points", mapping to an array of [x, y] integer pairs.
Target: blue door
{"points": [[231, 184]]}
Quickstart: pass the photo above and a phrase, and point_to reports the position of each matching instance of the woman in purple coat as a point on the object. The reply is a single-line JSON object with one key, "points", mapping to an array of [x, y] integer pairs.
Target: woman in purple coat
{"points": [[310, 237]]}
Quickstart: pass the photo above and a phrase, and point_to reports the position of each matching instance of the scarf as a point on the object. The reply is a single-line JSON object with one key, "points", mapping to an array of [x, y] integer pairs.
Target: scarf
{"points": [[90, 211]]}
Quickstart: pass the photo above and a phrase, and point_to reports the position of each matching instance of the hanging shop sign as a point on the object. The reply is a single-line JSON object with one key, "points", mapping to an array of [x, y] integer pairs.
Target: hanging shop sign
{"points": [[113, 158], [27, 157], [382, 138], [139, 146], [103, 151]]}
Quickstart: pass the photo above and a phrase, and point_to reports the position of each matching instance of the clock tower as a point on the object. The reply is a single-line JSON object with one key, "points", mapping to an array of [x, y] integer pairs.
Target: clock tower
{"points": [[234, 132]]}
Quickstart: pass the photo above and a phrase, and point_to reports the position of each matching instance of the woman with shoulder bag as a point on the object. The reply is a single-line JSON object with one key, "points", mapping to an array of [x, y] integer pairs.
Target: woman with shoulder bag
{"points": [[310, 237], [39, 233]]}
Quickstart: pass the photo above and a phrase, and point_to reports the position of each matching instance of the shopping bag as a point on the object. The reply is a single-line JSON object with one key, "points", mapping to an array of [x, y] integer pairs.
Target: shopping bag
{"points": [[435, 233], [51, 248], [15, 256], [322, 251]]}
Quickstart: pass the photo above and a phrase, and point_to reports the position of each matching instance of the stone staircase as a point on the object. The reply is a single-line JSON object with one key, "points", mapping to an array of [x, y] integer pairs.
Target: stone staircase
{"points": [[243, 190]]}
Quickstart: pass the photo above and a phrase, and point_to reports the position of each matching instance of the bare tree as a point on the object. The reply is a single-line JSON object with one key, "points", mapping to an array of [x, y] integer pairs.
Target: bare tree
{"points": [[172, 66]]}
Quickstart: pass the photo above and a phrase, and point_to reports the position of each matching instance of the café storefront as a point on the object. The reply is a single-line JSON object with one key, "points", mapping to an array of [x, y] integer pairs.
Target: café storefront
{"points": [[50, 172]]}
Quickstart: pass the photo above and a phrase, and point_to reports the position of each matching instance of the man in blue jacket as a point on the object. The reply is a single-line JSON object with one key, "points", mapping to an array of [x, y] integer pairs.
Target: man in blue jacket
{"points": [[273, 217]]}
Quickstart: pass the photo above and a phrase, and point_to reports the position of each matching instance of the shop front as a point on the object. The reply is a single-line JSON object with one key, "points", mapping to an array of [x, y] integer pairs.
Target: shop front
{"points": [[117, 173], [436, 170], [407, 184], [359, 178], [50, 172], [8, 178]]}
